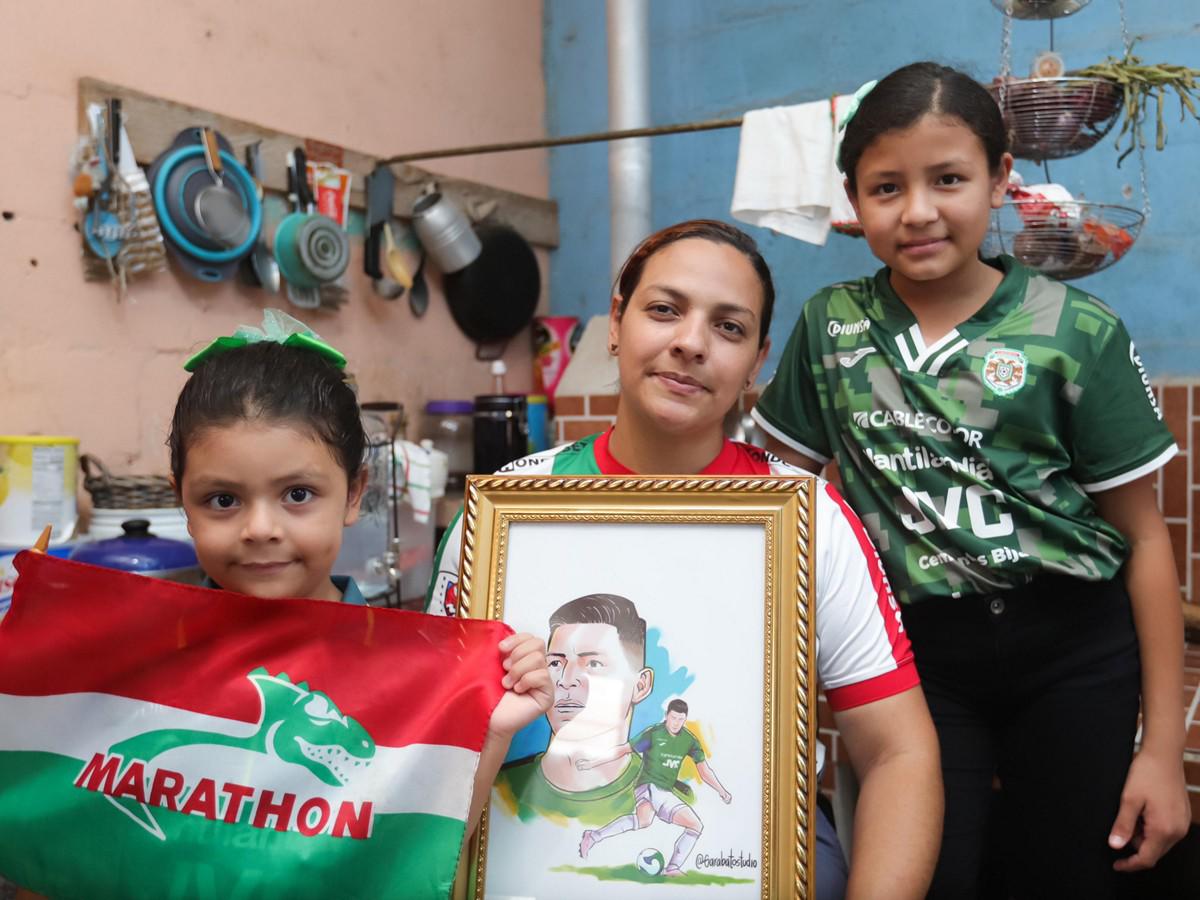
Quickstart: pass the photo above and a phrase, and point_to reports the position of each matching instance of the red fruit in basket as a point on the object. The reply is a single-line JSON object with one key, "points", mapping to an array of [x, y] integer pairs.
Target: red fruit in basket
{"points": [[1107, 237]]}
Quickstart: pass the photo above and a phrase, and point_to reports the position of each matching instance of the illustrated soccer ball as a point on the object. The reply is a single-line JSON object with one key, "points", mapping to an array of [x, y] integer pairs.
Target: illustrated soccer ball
{"points": [[651, 861]]}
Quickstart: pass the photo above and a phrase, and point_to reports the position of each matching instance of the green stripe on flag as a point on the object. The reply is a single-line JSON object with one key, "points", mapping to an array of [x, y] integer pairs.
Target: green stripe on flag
{"points": [[111, 856]]}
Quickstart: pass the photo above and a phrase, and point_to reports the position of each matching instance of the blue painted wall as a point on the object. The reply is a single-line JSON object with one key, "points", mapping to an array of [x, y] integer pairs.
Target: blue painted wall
{"points": [[718, 58]]}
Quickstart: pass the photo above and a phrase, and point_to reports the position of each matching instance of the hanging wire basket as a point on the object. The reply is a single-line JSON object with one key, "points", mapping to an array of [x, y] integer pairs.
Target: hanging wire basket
{"points": [[1065, 239], [1039, 9], [1051, 118]]}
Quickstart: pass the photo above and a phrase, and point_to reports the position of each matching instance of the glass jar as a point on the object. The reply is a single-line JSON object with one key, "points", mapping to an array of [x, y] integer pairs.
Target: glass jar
{"points": [[449, 424]]}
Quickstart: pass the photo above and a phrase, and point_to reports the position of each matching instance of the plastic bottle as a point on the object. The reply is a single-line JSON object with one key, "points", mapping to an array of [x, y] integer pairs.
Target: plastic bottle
{"points": [[499, 370]]}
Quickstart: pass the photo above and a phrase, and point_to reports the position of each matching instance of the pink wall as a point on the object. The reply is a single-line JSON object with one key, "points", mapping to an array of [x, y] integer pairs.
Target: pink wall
{"points": [[392, 75]]}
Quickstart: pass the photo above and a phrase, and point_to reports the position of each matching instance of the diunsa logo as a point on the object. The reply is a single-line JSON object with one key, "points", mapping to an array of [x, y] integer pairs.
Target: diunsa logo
{"points": [[836, 328], [1137, 362]]}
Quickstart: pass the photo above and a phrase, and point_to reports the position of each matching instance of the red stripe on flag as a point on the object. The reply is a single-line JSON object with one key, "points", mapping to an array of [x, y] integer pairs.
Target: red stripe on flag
{"points": [[405, 677]]}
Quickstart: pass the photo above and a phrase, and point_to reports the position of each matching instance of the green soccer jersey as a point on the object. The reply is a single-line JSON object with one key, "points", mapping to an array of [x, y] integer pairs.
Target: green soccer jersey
{"points": [[663, 753], [971, 460], [525, 793]]}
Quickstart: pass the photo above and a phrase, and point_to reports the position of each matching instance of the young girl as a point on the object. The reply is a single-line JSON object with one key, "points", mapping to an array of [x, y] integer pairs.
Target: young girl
{"points": [[267, 451], [688, 327], [997, 433]]}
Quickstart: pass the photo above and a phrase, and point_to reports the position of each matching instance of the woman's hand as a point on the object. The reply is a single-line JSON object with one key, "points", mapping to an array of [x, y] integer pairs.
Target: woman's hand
{"points": [[529, 691]]}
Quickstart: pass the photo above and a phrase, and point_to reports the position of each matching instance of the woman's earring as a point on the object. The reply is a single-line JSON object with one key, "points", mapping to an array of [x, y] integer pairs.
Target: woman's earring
{"points": [[612, 349]]}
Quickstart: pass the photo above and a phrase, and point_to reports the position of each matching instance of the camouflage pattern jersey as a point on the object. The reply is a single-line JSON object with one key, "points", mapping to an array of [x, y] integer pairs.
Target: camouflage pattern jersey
{"points": [[972, 460]]}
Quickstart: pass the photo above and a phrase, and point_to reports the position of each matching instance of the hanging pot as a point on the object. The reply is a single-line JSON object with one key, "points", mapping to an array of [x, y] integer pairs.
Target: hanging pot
{"points": [[185, 189], [495, 296]]}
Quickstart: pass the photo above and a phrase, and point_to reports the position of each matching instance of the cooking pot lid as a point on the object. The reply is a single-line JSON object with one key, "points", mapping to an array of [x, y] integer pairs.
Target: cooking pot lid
{"points": [[137, 550]]}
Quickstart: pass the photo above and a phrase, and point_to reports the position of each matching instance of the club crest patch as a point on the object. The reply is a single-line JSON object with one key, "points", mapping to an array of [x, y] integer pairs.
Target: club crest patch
{"points": [[1004, 371]]}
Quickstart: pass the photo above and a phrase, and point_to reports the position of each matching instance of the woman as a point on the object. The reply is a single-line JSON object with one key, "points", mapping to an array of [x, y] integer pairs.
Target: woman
{"points": [[688, 326]]}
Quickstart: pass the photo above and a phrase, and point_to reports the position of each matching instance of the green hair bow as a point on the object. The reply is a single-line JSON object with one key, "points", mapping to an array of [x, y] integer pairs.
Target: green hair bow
{"points": [[857, 99], [278, 328]]}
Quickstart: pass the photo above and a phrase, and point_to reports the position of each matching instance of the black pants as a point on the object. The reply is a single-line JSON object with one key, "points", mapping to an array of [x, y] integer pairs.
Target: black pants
{"points": [[1038, 687]]}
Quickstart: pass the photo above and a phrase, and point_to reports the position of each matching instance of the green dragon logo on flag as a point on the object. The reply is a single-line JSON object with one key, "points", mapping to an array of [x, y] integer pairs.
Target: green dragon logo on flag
{"points": [[296, 726]]}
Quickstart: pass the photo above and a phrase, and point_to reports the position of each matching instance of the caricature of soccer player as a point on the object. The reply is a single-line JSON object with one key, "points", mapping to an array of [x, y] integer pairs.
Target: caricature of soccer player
{"points": [[663, 747], [597, 657]]}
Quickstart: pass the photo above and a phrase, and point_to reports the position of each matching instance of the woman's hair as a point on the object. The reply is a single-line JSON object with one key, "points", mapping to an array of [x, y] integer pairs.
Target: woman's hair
{"points": [[276, 384], [706, 230], [916, 90]]}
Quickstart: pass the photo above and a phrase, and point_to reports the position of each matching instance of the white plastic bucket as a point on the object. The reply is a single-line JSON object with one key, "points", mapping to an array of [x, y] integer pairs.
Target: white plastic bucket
{"points": [[37, 488]]}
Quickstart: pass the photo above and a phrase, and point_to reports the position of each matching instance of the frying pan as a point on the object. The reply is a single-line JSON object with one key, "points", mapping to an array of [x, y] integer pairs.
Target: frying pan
{"points": [[494, 297]]}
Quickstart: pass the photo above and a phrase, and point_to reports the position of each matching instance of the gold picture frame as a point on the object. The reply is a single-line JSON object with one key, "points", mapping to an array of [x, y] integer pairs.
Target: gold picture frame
{"points": [[512, 526]]}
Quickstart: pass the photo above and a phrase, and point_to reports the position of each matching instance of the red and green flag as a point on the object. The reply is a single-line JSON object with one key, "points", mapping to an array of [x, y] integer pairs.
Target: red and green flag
{"points": [[161, 740]]}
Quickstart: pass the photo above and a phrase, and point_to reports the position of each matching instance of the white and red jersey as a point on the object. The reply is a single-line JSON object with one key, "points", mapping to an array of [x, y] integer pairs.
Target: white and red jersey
{"points": [[863, 653]]}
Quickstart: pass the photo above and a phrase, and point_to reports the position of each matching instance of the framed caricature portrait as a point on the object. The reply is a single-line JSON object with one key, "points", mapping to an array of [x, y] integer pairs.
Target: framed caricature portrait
{"points": [[678, 759]]}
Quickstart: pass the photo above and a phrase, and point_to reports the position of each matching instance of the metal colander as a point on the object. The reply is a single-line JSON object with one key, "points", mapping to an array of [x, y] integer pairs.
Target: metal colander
{"points": [[1063, 239], [1051, 118]]}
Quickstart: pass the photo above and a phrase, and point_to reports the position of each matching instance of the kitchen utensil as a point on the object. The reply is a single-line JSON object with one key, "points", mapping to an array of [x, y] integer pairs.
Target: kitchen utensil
{"points": [[302, 289], [220, 210], [401, 264], [142, 246], [323, 248], [102, 229], [386, 288], [445, 232], [311, 247], [178, 176], [381, 186], [262, 260], [418, 294], [494, 297], [397, 265]]}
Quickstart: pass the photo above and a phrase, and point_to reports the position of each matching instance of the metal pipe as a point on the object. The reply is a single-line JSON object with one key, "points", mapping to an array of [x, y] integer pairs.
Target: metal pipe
{"points": [[593, 137], [629, 160]]}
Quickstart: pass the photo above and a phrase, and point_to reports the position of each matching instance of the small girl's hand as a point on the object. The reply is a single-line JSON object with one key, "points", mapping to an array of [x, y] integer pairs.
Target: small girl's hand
{"points": [[529, 691]]}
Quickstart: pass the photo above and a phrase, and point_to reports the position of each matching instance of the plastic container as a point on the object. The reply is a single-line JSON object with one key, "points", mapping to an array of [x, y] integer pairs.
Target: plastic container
{"points": [[538, 416], [554, 341], [450, 425], [365, 543], [501, 431], [37, 488]]}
